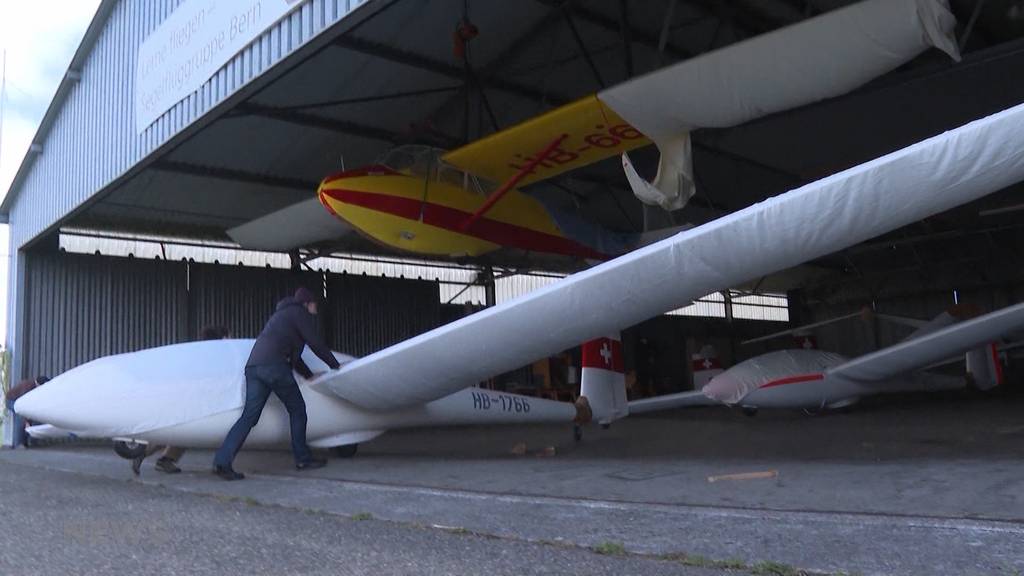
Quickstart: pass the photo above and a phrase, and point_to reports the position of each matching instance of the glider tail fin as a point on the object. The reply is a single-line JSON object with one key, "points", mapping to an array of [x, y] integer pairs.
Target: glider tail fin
{"points": [[983, 367], [603, 381]]}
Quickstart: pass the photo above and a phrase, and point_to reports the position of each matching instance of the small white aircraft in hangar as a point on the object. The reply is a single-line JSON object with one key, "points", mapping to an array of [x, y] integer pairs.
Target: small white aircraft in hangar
{"points": [[189, 394], [812, 379]]}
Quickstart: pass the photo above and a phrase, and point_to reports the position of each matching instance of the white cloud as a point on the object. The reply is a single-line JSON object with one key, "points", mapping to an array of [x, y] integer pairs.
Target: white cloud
{"points": [[40, 38]]}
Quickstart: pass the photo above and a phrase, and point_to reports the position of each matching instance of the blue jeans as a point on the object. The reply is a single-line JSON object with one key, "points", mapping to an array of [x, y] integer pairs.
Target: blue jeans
{"points": [[260, 381]]}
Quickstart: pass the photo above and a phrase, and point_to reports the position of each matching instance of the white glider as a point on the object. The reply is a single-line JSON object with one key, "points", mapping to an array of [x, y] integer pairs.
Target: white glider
{"points": [[189, 394], [816, 379]]}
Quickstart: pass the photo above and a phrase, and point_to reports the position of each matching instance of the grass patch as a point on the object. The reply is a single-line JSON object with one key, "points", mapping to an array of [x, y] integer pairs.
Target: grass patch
{"points": [[610, 549], [775, 569], [360, 516], [698, 561]]}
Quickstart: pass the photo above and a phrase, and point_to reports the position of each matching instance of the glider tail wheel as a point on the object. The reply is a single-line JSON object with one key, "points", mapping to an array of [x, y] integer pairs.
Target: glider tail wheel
{"points": [[129, 450], [345, 451]]}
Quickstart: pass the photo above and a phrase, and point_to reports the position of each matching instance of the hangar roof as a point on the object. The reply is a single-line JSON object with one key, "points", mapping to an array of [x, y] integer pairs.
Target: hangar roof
{"points": [[395, 79]]}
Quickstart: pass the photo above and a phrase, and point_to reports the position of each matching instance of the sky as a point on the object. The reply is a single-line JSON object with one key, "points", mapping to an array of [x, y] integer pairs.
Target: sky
{"points": [[39, 38]]}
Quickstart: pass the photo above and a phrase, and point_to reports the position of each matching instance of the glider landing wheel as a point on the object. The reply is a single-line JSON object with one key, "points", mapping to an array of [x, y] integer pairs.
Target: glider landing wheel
{"points": [[129, 450], [346, 451], [750, 411], [577, 433]]}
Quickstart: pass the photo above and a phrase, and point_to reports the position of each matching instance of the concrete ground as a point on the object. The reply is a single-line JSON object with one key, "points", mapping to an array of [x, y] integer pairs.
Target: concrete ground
{"points": [[903, 485]]}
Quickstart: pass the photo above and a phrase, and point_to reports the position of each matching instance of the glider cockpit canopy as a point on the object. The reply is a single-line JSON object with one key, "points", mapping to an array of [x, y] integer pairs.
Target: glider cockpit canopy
{"points": [[427, 162]]}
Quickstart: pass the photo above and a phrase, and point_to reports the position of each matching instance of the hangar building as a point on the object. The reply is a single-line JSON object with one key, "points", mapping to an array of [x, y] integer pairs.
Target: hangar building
{"points": [[133, 147]]}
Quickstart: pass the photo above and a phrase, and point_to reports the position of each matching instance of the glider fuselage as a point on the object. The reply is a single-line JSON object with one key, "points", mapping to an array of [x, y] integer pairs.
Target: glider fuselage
{"points": [[335, 422], [190, 394], [800, 379]]}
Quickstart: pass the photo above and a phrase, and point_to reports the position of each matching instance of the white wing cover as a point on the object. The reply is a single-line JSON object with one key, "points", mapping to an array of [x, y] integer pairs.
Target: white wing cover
{"points": [[818, 58], [817, 219], [170, 385], [297, 225], [932, 347]]}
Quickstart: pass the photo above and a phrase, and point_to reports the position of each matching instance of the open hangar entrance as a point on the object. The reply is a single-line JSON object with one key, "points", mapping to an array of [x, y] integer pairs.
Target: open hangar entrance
{"points": [[390, 73]]}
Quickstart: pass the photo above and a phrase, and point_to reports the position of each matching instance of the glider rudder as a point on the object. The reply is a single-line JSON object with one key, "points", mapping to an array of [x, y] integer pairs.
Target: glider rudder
{"points": [[603, 382]]}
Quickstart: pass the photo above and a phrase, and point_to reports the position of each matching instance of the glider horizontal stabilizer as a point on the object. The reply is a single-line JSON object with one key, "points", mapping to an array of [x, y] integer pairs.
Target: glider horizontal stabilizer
{"points": [[669, 401]]}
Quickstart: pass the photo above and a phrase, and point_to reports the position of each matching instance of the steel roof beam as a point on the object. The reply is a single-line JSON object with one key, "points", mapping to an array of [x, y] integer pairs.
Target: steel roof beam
{"points": [[414, 60], [315, 121], [744, 21], [627, 37], [341, 126], [487, 74], [610, 25], [582, 48], [233, 175]]}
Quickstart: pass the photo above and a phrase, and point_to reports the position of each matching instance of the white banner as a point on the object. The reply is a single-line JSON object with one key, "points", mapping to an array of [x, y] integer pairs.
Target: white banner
{"points": [[193, 43]]}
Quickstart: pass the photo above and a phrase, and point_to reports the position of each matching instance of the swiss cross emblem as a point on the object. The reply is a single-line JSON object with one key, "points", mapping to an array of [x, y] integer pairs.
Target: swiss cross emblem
{"points": [[807, 344], [603, 354], [707, 364]]}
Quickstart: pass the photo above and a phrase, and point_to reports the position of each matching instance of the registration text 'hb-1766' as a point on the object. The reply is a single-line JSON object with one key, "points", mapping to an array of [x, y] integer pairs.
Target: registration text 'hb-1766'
{"points": [[500, 402]]}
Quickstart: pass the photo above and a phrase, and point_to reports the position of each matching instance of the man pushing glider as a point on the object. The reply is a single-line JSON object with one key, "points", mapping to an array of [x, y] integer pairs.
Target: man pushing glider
{"points": [[277, 351]]}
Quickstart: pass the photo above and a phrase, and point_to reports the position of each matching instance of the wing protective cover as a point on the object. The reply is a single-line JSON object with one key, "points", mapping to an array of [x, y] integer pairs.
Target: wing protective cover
{"points": [[818, 58], [932, 347], [744, 378], [156, 388], [838, 211], [297, 225]]}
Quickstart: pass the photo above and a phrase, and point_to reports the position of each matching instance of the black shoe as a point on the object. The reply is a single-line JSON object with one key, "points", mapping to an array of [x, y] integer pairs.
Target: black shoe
{"points": [[167, 465], [311, 464], [227, 473]]}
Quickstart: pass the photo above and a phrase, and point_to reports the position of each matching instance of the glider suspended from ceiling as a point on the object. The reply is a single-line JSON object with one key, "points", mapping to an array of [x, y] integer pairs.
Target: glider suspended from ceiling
{"points": [[466, 202]]}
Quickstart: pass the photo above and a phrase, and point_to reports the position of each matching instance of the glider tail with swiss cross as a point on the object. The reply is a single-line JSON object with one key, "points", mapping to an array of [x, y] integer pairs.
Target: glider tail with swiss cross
{"points": [[603, 381]]}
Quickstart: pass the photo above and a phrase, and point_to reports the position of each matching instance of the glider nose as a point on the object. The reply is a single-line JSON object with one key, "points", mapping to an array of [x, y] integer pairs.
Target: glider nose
{"points": [[723, 388], [36, 405], [54, 403]]}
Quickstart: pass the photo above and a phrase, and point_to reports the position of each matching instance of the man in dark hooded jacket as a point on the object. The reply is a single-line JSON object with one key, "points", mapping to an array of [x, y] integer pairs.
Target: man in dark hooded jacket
{"points": [[277, 351]]}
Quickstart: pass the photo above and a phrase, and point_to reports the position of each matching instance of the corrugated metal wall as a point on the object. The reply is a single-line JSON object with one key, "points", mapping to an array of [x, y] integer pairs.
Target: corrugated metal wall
{"points": [[240, 298], [367, 313], [81, 307], [93, 139]]}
